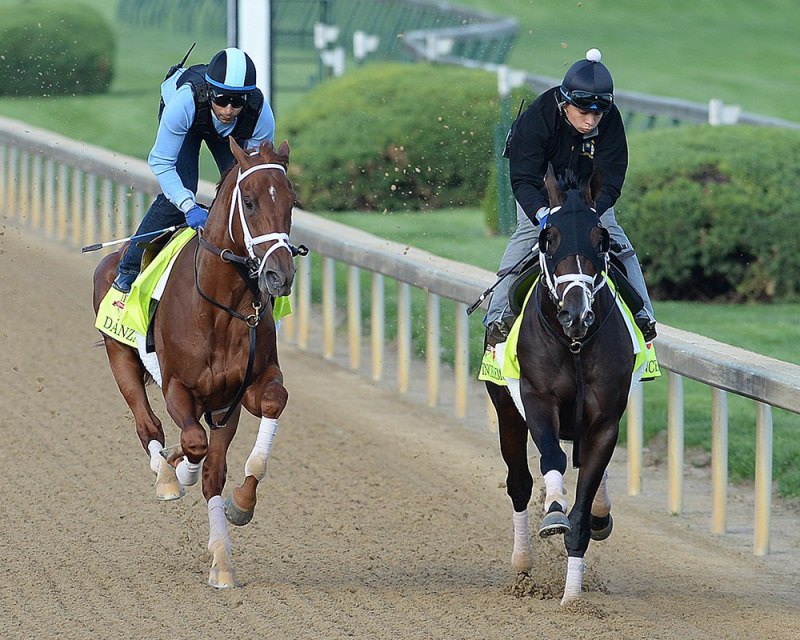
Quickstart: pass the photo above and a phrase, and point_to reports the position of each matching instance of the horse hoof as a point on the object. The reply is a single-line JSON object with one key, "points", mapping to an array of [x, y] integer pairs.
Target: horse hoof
{"points": [[522, 561], [235, 515], [167, 485], [555, 522], [601, 527], [222, 579]]}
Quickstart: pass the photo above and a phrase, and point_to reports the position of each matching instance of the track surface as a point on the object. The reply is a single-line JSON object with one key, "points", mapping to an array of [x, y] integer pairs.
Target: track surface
{"points": [[379, 518]]}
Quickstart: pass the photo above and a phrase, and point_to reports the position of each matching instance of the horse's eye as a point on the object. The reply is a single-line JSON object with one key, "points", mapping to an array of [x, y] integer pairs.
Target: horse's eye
{"points": [[248, 204]]}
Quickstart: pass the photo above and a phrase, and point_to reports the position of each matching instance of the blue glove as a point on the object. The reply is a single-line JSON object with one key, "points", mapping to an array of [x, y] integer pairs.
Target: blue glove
{"points": [[541, 216], [196, 217]]}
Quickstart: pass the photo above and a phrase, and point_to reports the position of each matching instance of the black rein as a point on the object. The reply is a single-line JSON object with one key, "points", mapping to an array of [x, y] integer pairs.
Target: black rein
{"points": [[245, 267]]}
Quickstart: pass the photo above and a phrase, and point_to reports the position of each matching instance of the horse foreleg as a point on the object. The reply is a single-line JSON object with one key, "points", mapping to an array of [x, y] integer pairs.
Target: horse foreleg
{"points": [[223, 573], [184, 410], [601, 445], [240, 506]]}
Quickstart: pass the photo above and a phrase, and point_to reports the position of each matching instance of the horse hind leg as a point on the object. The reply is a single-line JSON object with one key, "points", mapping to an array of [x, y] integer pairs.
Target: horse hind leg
{"points": [[601, 523], [167, 485], [129, 375]]}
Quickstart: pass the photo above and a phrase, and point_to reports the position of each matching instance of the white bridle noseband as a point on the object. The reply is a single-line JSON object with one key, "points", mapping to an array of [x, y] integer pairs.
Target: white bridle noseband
{"points": [[280, 239]]}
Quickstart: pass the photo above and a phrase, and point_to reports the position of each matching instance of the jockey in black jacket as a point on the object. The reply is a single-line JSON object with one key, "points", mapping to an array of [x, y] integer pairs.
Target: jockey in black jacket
{"points": [[577, 128]]}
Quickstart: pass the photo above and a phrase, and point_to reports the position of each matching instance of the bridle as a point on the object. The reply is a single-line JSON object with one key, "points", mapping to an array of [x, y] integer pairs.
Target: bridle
{"points": [[249, 268], [590, 285], [281, 240]]}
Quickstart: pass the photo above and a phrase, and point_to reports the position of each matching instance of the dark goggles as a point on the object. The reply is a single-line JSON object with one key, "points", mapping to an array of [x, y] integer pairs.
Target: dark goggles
{"points": [[587, 101], [237, 101]]}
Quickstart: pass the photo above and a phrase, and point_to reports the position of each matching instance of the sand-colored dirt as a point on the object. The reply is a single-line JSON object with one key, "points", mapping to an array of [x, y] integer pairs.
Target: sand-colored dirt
{"points": [[379, 518]]}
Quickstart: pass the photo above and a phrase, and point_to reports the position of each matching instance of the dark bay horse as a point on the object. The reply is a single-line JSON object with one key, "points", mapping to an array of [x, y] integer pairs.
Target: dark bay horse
{"points": [[576, 360], [215, 340]]}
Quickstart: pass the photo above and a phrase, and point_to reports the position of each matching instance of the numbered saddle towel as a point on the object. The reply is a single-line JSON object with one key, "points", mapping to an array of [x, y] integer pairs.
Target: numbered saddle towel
{"points": [[126, 316], [501, 366]]}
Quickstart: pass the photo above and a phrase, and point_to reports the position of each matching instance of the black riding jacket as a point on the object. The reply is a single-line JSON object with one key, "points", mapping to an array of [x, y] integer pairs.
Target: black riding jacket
{"points": [[246, 120], [543, 134]]}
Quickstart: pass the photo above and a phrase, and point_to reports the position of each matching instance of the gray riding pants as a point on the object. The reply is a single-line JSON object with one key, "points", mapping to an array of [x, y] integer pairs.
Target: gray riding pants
{"points": [[523, 239]]}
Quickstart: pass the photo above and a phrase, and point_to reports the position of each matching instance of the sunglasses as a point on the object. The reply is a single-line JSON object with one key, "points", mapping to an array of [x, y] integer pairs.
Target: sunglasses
{"points": [[588, 101], [225, 99]]}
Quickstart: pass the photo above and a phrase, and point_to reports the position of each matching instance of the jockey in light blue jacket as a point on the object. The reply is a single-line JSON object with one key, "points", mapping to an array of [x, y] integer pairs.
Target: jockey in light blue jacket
{"points": [[201, 103]]}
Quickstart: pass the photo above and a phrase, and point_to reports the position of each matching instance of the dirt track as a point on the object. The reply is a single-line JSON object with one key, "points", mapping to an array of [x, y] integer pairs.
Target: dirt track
{"points": [[378, 519]]}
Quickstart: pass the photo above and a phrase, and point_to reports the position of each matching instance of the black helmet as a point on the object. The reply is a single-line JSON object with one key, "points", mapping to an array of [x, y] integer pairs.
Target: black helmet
{"points": [[588, 84], [231, 71]]}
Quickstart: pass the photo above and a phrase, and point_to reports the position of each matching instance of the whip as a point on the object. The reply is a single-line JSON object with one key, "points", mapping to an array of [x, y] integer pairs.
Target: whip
{"points": [[110, 243]]}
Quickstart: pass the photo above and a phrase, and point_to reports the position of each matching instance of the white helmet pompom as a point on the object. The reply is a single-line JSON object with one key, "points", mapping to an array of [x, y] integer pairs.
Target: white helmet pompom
{"points": [[593, 55]]}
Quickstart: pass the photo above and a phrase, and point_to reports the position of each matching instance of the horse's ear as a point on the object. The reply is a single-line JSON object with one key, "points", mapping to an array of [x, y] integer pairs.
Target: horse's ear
{"points": [[554, 194], [236, 150], [594, 186], [284, 149]]}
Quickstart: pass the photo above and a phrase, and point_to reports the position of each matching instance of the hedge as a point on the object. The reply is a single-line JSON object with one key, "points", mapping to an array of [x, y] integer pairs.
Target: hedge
{"points": [[713, 212], [54, 50], [390, 137]]}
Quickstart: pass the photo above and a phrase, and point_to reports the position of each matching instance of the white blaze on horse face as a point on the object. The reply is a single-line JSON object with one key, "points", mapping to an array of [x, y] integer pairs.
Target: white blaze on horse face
{"points": [[273, 194]]}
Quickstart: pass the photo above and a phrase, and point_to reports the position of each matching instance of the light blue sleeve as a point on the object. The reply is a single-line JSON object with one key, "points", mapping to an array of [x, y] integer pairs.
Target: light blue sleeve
{"points": [[264, 129], [176, 120]]}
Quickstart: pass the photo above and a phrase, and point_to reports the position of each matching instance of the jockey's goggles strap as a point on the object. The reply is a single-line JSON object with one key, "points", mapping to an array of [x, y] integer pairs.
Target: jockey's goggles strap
{"points": [[280, 239]]}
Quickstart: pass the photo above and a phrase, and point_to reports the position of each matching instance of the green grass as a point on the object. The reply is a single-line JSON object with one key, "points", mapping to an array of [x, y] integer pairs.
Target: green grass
{"points": [[682, 49], [740, 51]]}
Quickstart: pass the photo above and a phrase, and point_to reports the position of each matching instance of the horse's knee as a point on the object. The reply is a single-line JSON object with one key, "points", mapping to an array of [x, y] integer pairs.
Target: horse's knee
{"points": [[194, 443], [519, 488], [274, 399]]}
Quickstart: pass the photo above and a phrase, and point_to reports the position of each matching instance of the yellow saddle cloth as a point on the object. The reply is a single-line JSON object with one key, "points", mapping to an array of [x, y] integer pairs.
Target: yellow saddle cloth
{"points": [[123, 316], [500, 362]]}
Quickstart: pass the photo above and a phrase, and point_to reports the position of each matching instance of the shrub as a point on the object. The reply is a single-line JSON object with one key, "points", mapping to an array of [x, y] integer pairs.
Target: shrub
{"points": [[712, 212], [54, 50], [394, 137]]}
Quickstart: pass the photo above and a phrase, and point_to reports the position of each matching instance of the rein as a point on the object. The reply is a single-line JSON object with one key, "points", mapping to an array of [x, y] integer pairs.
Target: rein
{"points": [[575, 347], [249, 269]]}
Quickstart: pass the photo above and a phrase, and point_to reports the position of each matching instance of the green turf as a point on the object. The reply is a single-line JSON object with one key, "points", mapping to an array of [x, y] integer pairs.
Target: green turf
{"points": [[740, 51]]}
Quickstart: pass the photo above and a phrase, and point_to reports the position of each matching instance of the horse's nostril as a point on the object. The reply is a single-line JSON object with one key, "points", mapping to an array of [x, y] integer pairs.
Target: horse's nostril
{"points": [[565, 318], [588, 318]]}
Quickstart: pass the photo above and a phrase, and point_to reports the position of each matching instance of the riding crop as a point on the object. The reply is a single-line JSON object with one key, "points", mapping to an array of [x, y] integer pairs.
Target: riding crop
{"points": [[103, 245], [508, 272]]}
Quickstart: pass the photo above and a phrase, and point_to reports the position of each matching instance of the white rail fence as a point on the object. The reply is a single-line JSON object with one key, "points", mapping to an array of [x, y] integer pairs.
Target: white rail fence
{"points": [[77, 194]]}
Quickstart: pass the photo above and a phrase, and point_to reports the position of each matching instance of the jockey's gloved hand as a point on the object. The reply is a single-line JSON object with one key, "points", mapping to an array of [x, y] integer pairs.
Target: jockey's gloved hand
{"points": [[196, 217], [541, 215]]}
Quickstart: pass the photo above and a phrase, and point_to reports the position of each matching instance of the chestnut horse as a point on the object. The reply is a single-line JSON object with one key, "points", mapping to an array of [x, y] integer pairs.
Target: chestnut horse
{"points": [[215, 339], [576, 360]]}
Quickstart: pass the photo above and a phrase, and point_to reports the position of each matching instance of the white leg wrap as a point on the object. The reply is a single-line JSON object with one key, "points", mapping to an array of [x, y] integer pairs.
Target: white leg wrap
{"points": [[155, 447], [554, 490], [256, 464], [601, 505], [574, 584], [217, 527], [522, 536], [522, 554], [188, 472]]}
